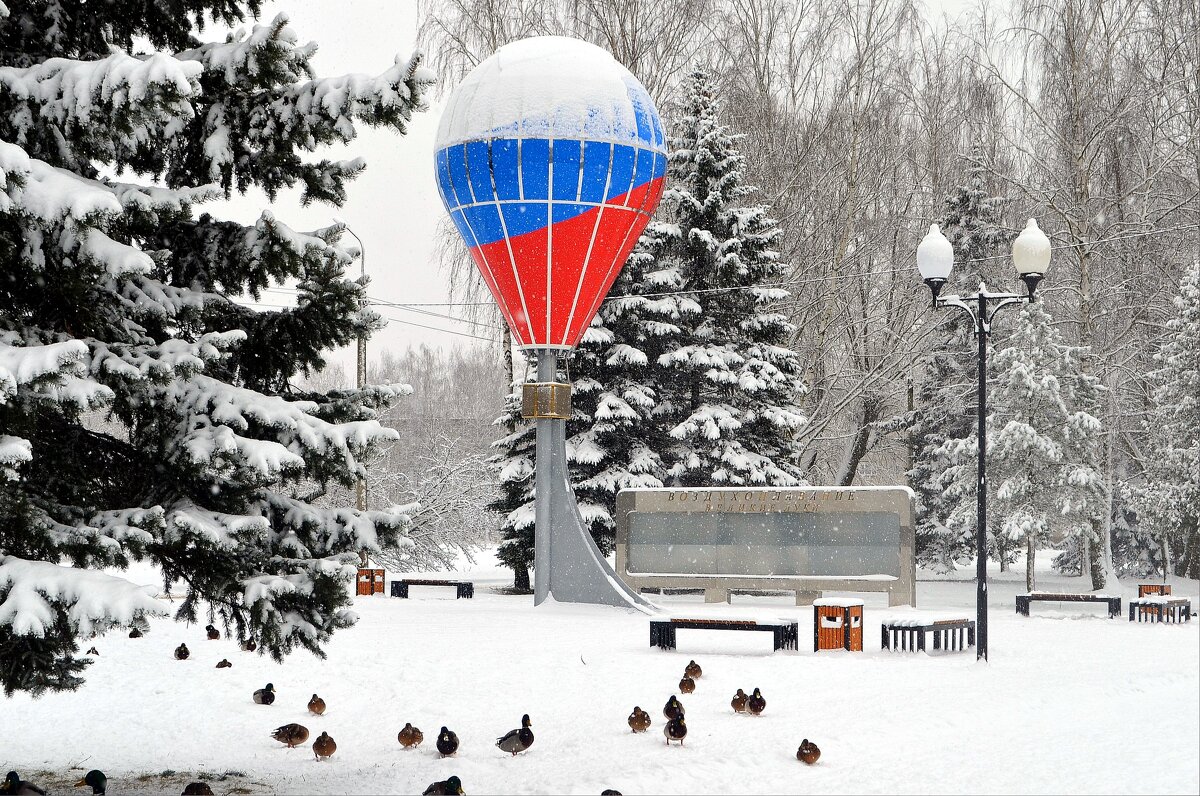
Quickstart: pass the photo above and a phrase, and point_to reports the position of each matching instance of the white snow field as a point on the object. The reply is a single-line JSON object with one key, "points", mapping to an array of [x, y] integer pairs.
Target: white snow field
{"points": [[1071, 702]]}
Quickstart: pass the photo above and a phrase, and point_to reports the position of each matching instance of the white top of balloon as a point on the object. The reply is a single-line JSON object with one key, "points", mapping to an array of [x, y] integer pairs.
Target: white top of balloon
{"points": [[550, 160]]}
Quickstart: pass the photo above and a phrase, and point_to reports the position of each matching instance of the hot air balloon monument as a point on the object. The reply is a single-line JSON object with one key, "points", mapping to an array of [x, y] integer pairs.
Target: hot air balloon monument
{"points": [[550, 160]]}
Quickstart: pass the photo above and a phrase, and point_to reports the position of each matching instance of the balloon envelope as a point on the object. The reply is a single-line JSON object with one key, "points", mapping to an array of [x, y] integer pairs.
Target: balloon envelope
{"points": [[550, 159]]}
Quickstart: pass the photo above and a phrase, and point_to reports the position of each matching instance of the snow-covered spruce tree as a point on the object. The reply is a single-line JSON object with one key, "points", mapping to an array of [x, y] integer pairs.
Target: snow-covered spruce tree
{"points": [[1043, 445], [726, 383], [946, 393], [1171, 496], [143, 414]]}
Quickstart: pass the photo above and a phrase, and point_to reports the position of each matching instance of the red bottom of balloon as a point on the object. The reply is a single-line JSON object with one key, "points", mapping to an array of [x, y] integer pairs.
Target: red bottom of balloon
{"points": [[549, 283]]}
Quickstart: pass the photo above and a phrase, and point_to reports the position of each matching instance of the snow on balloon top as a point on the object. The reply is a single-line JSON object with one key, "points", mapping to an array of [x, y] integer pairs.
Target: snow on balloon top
{"points": [[550, 160], [551, 87]]}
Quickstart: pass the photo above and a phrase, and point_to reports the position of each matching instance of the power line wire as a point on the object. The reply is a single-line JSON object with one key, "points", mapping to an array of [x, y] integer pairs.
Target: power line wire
{"points": [[785, 285]]}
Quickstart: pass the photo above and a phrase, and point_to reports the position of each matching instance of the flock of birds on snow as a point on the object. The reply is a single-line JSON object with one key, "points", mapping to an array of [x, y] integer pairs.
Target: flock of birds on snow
{"points": [[514, 741]]}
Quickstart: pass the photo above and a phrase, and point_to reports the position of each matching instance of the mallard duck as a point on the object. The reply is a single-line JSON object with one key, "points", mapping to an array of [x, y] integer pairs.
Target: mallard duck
{"points": [[673, 708], [316, 705], [265, 696], [135, 633], [687, 685], [14, 784], [519, 740], [756, 704], [639, 720], [224, 664], [182, 652], [693, 670], [249, 646], [410, 736], [447, 742], [93, 651], [738, 703], [448, 787], [675, 730], [808, 752], [197, 789], [213, 633], [324, 746], [97, 781], [291, 734]]}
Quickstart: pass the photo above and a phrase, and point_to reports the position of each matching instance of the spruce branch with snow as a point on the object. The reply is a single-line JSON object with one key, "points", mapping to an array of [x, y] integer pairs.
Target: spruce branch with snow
{"points": [[144, 414]]}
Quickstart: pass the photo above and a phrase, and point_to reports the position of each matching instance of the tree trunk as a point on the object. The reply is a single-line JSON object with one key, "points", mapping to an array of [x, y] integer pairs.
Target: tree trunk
{"points": [[1030, 552], [1094, 552], [521, 579]]}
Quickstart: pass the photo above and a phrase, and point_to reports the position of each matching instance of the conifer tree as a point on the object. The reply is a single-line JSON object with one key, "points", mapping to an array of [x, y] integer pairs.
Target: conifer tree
{"points": [[946, 394], [728, 384], [1043, 443], [1171, 496], [144, 415]]}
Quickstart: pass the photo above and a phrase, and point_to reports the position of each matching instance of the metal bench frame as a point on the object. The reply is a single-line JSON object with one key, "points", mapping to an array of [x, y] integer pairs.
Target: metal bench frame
{"points": [[463, 588], [785, 635], [1176, 609], [947, 635], [1114, 603]]}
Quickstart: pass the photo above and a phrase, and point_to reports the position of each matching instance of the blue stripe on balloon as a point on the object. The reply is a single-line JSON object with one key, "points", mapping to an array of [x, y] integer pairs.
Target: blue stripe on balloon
{"points": [[567, 154], [472, 176], [506, 166], [443, 176], [621, 180], [485, 222], [566, 211], [456, 157], [522, 217], [478, 169], [597, 157], [535, 168]]}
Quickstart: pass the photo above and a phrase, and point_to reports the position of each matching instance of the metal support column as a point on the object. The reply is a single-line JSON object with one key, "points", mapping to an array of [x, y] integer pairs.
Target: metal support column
{"points": [[567, 565]]}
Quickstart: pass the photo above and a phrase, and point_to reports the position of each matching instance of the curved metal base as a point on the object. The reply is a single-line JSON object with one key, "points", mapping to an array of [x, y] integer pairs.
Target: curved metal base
{"points": [[567, 565]]}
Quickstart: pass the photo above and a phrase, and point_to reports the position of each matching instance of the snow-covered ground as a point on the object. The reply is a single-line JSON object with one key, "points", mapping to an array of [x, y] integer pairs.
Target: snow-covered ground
{"points": [[1071, 702]]}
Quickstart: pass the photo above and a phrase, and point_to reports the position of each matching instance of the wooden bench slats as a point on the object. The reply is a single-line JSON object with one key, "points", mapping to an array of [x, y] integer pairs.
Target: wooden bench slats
{"points": [[463, 588], [1023, 601], [786, 635]]}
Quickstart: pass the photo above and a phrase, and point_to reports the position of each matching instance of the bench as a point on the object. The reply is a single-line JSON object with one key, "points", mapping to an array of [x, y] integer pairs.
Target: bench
{"points": [[1023, 600], [1151, 589], [1160, 609], [786, 634], [909, 635], [463, 588]]}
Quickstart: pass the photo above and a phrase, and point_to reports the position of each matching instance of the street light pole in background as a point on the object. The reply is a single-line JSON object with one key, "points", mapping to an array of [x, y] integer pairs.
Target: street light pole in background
{"points": [[361, 488], [935, 259]]}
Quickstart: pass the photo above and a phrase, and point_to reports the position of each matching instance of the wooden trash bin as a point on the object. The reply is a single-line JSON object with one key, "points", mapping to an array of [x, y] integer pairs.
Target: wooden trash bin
{"points": [[1152, 590], [838, 624], [370, 581]]}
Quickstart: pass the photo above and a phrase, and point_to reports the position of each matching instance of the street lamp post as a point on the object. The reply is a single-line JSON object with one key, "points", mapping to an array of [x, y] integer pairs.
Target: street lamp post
{"points": [[361, 486], [935, 260]]}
